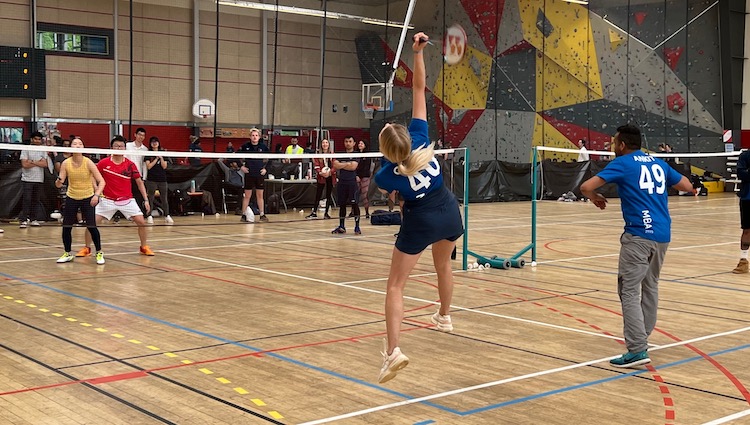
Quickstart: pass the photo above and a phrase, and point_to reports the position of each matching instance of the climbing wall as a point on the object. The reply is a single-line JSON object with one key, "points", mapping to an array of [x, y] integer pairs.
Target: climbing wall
{"points": [[549, 72]]}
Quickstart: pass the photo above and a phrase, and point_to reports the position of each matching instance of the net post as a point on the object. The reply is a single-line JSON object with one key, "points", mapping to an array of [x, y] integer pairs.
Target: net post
{"points": [[533, 203], [465, 254]]}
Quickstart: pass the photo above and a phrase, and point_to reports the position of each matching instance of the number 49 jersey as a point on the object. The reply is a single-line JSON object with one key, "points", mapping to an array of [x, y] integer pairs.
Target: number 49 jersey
{"points": [[642, 182], [417, 186]]}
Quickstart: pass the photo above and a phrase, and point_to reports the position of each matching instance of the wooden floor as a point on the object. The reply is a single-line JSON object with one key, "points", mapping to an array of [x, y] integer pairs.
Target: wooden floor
{"points": [[282, 322]]}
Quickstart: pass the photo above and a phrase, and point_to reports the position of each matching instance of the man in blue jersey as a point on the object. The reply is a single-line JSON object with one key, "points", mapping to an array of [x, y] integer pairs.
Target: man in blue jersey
{"points": [[743, 173], [642, 181]]}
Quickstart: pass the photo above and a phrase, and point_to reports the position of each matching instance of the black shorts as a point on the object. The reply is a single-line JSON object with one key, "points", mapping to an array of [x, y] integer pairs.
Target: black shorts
{"points": [[434, 218], [254, 182], [745, 214], [347, 192]]}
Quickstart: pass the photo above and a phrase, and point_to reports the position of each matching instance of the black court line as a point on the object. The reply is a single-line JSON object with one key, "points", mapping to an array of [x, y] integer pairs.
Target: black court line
{"points": [[89, 386], [138, 368], [662, 308]]}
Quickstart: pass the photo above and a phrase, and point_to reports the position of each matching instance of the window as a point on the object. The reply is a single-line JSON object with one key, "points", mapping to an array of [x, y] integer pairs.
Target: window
{"points": [[73, 40]]}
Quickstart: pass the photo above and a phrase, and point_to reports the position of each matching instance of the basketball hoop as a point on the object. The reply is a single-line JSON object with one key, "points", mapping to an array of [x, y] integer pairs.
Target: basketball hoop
{"points": [[369, 111]]}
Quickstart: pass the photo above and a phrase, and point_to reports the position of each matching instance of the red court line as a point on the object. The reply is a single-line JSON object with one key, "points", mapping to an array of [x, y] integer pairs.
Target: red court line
{"points": [[144, 373]]}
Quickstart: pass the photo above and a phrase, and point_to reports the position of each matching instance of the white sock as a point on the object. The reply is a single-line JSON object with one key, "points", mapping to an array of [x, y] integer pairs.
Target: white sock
{"points": [[743, 253]]}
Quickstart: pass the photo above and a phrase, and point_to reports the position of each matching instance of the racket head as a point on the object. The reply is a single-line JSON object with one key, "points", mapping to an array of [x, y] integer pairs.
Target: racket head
{"points": [[454, 44]]}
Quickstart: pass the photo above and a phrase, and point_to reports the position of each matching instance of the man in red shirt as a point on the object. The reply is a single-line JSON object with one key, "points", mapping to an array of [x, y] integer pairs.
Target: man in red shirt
{"points": [[118, 172]]}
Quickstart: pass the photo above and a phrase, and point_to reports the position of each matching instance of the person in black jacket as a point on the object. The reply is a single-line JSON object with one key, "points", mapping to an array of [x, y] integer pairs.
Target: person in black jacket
{"points": [[255, 174]]}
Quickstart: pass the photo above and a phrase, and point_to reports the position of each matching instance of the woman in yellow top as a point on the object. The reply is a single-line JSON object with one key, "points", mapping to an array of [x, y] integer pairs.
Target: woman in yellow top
{"points": [[81, 172]]}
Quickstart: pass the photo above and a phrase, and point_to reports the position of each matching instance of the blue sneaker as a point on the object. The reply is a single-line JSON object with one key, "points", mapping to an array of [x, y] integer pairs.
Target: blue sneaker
{"points": [[631, 359]]}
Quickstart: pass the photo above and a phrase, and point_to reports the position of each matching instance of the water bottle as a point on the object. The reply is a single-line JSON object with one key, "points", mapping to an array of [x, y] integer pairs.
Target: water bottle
{"points": [[192, 185]]}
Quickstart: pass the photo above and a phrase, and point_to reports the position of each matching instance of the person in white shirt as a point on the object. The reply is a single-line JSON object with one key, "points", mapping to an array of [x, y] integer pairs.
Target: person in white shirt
{"points": [[583, 154], [139, 161], [33, 164]]}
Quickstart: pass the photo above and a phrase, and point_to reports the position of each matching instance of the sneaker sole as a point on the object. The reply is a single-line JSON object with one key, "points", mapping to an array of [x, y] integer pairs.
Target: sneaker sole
{"points": [[632, 364], [64, 261], [394, 369], [440, 326], [740, 271]]}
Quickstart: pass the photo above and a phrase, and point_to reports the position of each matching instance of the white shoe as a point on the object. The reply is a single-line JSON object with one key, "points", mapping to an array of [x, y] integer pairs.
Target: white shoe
{"points": [[150, 220], [2, 231], [99, 257], [35, 224], [66, 258], [443, 323], [391, 364], [168, 219], [23, 224]]}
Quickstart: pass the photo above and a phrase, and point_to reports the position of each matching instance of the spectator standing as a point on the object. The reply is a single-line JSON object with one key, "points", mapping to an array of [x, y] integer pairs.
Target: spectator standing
{"points": [[364, 173], [33, 164], [157, 180]]}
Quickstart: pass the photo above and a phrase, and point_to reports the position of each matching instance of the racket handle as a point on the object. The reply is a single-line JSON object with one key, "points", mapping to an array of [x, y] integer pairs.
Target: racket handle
{"points": [[422, 40]]}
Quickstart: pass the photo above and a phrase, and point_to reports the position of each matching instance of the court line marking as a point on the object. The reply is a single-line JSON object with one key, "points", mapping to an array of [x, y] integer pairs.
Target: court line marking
{"points": [[379, 292], [731, 417], [508, 380]]}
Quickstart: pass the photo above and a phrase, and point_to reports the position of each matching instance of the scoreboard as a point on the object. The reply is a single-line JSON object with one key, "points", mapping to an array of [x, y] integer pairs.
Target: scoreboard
{"points": [[22, 73]]}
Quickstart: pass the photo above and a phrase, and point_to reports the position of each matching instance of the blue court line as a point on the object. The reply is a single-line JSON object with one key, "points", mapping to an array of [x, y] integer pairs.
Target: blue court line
{"points": [[427, 422], [352, 379], [596, 382]]}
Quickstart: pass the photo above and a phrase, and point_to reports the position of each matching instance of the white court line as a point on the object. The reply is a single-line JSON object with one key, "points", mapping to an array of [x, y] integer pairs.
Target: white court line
{"points": [[375, 291], [726, 419], [507, 380]]}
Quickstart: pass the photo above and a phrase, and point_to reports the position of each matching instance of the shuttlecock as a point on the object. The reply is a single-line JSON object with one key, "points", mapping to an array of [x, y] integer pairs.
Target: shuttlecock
{"points": [[533, 264], [481, 267], [475, 265], [487, 265]]}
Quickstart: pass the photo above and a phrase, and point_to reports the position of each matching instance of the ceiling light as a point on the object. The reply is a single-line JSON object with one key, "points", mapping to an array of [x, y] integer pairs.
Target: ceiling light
{"points": [[310, 12]]}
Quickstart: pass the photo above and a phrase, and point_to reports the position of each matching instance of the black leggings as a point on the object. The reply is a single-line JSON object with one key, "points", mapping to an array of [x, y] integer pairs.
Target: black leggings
{"points": [[69, 218], [319, 192]]}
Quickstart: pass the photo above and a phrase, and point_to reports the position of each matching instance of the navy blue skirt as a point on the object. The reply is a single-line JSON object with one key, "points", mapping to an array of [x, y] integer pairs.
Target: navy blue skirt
{"points": [[431, 219]]}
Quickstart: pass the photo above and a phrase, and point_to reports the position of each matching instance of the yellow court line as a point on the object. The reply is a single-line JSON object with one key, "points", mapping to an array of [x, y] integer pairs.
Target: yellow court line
{"points": [[70, 319], [258, 402], [31, 305], [151, 347], [170, 355], [58, 314], [206, 371], [241, 390], [223, 380], [275, 414], [135, 341]]}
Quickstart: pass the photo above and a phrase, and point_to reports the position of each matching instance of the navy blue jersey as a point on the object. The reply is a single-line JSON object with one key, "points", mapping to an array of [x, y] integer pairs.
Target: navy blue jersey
{"points": [[346, 175], [254, 165], [743, 173], [416, 186], [642, 182]]}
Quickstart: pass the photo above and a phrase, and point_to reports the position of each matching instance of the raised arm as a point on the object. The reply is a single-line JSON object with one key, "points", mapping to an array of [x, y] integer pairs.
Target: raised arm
{"points": [[418, 79]]}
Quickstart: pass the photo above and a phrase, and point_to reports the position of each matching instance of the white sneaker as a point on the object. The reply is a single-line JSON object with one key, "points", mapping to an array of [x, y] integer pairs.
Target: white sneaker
{"points": [[150, 220], [35, 224], [2, 231], [99, 257], [168, 219], [23, 224], [443, 323], [391, 364], [66, 258]]}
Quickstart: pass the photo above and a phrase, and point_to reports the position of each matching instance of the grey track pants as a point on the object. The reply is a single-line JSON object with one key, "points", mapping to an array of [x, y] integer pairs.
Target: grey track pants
{"points": [[638, 287]]}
